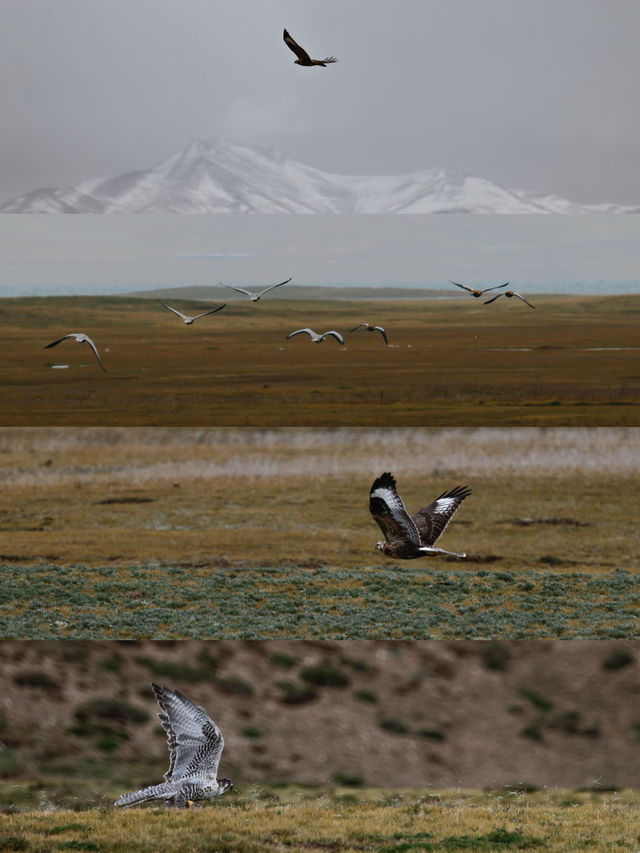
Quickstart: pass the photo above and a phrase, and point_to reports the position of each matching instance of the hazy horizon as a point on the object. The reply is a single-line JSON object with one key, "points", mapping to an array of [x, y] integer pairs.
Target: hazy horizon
{"points": [[41, 254]]}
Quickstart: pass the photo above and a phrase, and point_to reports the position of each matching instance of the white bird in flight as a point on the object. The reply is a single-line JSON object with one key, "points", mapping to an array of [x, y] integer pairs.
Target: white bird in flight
{"points": [[315, 337], [254, 297], [370, 328], [189, 320], [81, 338]]}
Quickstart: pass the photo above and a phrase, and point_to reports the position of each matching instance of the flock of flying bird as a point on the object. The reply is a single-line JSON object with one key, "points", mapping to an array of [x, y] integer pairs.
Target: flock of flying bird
{"points": [[316, 338]]}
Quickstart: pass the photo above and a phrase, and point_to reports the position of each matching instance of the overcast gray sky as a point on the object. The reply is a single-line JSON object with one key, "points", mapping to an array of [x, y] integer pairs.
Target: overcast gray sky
{"points": [[538, 94], [107, 254]]}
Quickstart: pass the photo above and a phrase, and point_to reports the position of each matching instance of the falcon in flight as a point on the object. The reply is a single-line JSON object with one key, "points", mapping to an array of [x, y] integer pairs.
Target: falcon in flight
{"points": [[370, 328], [255, 297], [81, 339], [188, 321], [195, 746], [474, 292], [303, 56], [410, 536], [509, 294]]}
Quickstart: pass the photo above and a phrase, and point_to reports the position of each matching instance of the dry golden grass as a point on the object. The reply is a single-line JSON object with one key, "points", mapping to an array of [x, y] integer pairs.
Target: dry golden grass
{"points": [[347, 821], [256, 498], [571, 361]]}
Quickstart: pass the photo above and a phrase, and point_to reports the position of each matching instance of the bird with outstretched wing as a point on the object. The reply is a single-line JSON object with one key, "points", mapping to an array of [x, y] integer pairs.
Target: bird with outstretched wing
{"points": [[303, 56], [195, 746], [408, 537]]}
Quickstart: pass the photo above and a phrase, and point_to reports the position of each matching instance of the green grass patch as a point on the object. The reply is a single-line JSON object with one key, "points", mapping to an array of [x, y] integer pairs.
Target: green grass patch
{"points": [[390, 602]]}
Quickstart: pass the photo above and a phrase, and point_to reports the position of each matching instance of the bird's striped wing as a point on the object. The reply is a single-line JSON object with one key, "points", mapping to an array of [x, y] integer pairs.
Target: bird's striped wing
{"points": [[495, 287], [175, 311], [95, 350], [309, 332], [239, 289], [59, 341], [273, 286], [432, 520], [206, 313], [387, 509], [300, 52], [195, 742], [463, 286], [523, 300]]}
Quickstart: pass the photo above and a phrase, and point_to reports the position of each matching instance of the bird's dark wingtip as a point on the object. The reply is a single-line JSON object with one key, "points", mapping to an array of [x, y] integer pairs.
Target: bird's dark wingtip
{"points": [[384, 481]]}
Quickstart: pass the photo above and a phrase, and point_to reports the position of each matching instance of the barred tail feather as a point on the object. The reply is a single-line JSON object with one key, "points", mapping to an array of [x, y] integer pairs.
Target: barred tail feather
{"points": [[154, 792]]}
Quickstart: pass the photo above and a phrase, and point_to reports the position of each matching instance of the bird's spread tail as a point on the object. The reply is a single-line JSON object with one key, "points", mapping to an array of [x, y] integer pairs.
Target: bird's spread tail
{"points": [[154, 792]]}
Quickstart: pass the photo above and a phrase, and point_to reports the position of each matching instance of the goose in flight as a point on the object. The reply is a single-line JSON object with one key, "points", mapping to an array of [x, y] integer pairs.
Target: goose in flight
{"points": [[474, 292], [303, 56], [405, 536], [315, 337], [81, 339], [189, 320], [195, 746], [370, 328], [255, 297], [509, 294]]}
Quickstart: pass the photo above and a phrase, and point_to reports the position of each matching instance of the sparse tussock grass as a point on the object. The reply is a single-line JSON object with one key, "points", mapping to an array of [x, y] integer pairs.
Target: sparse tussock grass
{"points": [[348, 820]]}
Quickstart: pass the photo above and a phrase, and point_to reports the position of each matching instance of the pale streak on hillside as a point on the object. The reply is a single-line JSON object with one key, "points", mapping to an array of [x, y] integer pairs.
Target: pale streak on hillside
{"points": [[141, 456]]}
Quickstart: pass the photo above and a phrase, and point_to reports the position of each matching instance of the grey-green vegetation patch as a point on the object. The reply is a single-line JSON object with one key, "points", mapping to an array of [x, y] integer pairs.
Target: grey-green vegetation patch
{"points": [[393, 602]]}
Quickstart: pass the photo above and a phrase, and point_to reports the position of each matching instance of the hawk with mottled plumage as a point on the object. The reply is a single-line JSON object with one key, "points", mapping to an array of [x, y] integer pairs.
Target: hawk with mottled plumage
{"points": [[195, 746], [406, 536]]}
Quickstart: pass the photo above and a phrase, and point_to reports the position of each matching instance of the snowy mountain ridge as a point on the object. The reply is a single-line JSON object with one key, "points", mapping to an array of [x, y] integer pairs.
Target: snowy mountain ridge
{"points": [[219, 176]]}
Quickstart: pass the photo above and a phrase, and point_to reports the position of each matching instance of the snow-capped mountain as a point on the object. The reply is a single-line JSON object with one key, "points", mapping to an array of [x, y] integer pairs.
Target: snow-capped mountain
{"points": [[218, 176]]}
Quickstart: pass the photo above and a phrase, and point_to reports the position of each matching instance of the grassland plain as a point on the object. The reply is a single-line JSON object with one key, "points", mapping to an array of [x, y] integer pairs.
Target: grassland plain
{"points": [[251, 533], [572, 361], [385, 822]]}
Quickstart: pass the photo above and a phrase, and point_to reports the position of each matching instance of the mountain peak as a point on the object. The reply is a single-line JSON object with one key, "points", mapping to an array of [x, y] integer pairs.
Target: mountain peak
{"points": [[223, 176]]}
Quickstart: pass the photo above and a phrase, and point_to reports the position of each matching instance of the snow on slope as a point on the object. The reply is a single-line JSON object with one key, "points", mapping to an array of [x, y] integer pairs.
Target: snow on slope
{"points": [[218, 176]]}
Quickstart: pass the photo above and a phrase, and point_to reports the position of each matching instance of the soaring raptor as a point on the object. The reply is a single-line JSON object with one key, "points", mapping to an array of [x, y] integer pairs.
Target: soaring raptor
{"points": [[303, 56], [405, 536], [195, 747]]}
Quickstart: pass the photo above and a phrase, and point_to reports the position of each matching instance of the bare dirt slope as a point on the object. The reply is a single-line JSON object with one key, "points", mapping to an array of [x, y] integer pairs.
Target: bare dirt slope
{"points": [[435, 714]]}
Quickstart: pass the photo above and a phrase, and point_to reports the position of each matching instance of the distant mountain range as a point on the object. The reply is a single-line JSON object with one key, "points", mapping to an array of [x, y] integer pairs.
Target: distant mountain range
{"points": [[218, 176]]}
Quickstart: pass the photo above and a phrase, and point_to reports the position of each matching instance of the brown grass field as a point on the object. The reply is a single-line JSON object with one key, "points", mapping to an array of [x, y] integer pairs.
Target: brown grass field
{"points": [[381, 821], [222, 497], [572, 361]]}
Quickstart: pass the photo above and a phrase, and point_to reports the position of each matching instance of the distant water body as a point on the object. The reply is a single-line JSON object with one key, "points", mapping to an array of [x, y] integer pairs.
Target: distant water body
{"points": [[587, 288]]}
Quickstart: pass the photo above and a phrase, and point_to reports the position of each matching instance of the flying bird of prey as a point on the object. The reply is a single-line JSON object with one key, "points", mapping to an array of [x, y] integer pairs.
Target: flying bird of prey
{"points": [[255, 297], [370, 328], [303, 56], [81, 339], [509, 294], [408, 537], [315, 337], [474, 292], [195, 746], [189, 320]]}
